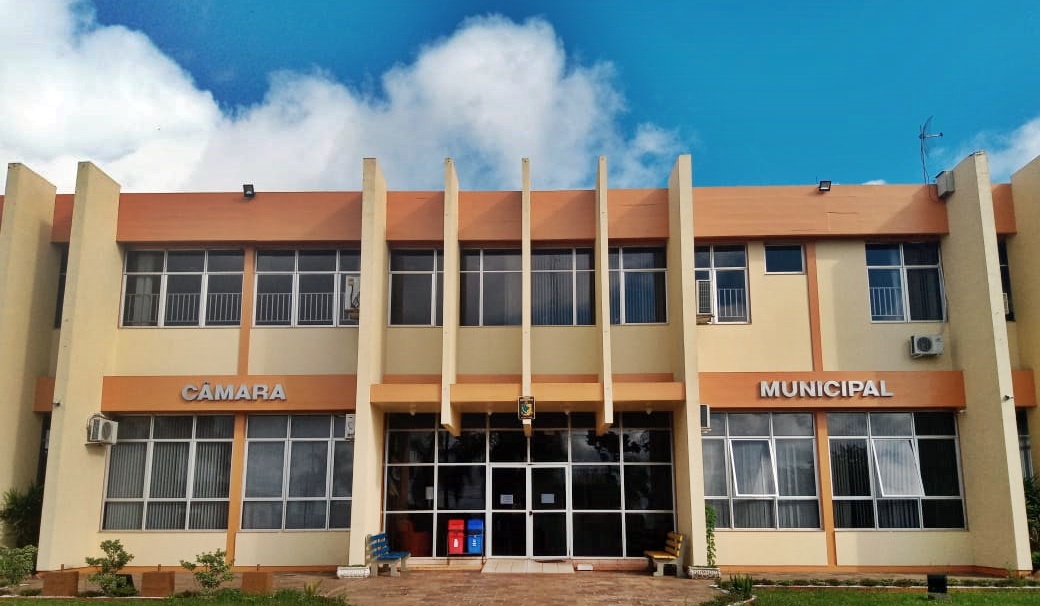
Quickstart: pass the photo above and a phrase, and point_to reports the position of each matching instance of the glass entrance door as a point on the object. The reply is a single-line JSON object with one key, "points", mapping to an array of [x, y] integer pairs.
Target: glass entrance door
{"points": [[529, 511]]}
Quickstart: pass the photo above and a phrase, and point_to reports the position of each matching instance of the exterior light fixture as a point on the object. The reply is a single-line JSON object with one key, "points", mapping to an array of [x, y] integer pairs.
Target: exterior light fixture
{"points": [[824, 186], [248, 191]]}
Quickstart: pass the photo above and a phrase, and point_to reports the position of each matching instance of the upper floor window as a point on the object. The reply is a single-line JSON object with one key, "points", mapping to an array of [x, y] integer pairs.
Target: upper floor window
{"points": [[637, 285], [63, 271], [1005, 281], [299, 472], [490, 288], [308, 287], [562, 287], [1025, 449], [722, 289], [169, 473], [905, 282], [416, 282], [895, 470], [760, 470], [182, 288], [784, 259]]}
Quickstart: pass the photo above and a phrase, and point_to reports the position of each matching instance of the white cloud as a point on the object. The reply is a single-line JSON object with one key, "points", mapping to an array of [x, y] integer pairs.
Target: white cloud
{"points": [[492, 92], [1007, 152], [876, 182]]}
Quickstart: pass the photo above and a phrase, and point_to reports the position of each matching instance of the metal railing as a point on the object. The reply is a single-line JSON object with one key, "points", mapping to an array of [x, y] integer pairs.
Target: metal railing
{"points": [[182, 309], [732, 305], [223, 308], [273, 308], [141, 309], [886, 303], [316, 307]]}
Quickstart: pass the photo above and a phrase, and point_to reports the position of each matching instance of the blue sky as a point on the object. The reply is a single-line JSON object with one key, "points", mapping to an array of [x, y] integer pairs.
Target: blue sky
{"points": [[759, 92]]}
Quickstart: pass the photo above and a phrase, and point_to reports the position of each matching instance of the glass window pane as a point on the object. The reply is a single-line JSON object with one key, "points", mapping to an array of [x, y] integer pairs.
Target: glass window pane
{"points": [[339, 514], [596, 487], [422, 420], [597, 535], [409, 487], [305, 514], [309, 426], [702, 257], [850, 468], [225, 260], [886, 295], [643, 258], [261, 515], [648, 487], [166, 516], [584, 259], [731, 295], [126, 464], [587, 447], [144, 261], [753, 514], [793, 424], [264, 462], [123, 516], [411, 260], [714, 468], [469, 260], [847, 423], [223, 300], [795, 468], [752, 468], [308, 464], [350, 260], [552, 299], [411, 297], [185, 261], [317, 299], [784, 258], [882, 255], [461, 487], [921, 253], [644, 297], [645, 531], [410, 447], [798, 514], [342, 468], [273, 299], [891, 424], [173, 428], [267, 426], [584, 295], [508, 446], [552, 259], [928, 424], [212, 470], [615, 297], [898, 513], [749, 424], [897, 471], [730, 256], [549, 446], [183, 298], [208, 427], [501, 260], [208, 515], [925, 291], [141, 301], [644, 445], [853, 514], [317, 260], [275, 260], [939, 468], [942, 513], [502, 299], [134, 428], [722, 517], [468, 447]]}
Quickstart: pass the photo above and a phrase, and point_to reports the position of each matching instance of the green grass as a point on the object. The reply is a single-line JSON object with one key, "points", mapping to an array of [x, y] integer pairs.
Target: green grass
{"points": [[866, 597]]}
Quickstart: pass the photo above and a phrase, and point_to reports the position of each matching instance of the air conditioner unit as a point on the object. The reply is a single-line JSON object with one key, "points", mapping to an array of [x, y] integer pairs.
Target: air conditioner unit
{"points": [[944, 184], [349, 426], [101, 430], [925, 345]]}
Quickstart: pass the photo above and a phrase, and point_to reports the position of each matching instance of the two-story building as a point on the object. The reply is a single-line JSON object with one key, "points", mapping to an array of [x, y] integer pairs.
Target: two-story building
{"points": [[843, 375]]}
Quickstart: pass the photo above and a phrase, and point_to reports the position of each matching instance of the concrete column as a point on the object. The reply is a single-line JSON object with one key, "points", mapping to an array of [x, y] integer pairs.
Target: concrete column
{"points": [[89, 323], [525, 284], [1023, 251], [29, 266], [368, 437], [451, 418], [682, 317], [605, 415], [994, 498]]}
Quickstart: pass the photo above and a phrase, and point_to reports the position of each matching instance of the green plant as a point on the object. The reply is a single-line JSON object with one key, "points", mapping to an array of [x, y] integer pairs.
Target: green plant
{"points": [[1032, 491], [210, 569], [710, 521], [107, 577], [16, 563], [20, 514], [312, 589], [740, 586]]}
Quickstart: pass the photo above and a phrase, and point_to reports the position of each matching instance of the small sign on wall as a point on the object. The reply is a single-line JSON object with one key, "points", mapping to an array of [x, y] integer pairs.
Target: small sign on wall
{"points": [[349, 426], [525, 408]]}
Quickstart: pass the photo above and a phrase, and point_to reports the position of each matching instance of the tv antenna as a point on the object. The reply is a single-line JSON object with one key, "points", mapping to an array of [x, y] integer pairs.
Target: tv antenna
{"points": [[924, 136]]}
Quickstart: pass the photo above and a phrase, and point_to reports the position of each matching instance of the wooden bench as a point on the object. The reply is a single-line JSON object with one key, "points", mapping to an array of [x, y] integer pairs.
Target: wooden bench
{"points": [[377, 553], [671, 554]]}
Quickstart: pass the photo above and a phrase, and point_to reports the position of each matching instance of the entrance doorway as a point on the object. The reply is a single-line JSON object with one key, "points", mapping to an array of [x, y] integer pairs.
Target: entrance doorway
{"points": [[529, 511]]}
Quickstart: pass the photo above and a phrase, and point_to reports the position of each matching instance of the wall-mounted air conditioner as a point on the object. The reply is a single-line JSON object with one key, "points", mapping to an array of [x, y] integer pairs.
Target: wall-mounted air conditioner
{"points": [[944, 184], [925, 345], [101, 430]]}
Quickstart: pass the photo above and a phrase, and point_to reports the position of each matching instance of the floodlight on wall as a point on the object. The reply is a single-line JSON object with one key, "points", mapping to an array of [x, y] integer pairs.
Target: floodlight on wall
{"points": [[247, 190], [824, 186]]}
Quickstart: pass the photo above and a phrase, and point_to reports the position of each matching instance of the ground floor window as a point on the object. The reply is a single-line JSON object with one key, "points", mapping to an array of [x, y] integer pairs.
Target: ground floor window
{"points": [[563, 492], [895, 470], [299, 472], [760, 470], [1025, 447], [169, 473]]}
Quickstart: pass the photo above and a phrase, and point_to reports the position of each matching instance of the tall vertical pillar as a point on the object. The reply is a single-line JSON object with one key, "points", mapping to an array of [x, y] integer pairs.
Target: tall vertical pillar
{"points": [[451, 418], [525, 285], [605, 415]]}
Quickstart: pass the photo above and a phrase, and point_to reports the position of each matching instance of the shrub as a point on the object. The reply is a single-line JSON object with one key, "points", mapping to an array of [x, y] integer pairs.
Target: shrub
{"points": [[740, 586], [16, 564], [107, 577], [210, 569], [20, 514]]}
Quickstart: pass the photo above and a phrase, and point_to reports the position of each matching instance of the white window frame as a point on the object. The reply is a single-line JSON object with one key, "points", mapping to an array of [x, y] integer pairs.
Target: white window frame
{"points": [[708, 275], [435, 294], [339, 277], [903, 268], [145, 500], [622, 271], [481, 272], [164, 274], [330, 465]]}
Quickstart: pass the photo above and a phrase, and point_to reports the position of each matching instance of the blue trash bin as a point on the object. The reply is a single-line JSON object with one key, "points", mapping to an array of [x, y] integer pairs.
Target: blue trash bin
{"points": [[474, 537]]}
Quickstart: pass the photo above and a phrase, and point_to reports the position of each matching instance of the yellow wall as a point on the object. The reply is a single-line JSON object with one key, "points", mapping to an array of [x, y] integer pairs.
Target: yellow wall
{"points": [[904, 548], [845, 318], [1023, 251], [312, 548], [28, 291], [174, 351], [641, 349], [488, 350], [772, 548], [161, 548], [75, 472], [302, 351], [413, 350], [565, 350]]}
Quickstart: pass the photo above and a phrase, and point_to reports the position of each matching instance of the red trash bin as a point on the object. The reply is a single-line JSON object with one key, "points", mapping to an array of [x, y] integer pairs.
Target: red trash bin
{"points": [[456, 537]]}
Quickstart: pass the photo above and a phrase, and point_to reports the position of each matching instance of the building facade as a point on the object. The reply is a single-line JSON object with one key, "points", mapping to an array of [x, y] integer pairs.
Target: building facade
{"points": [[843, 377]]}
